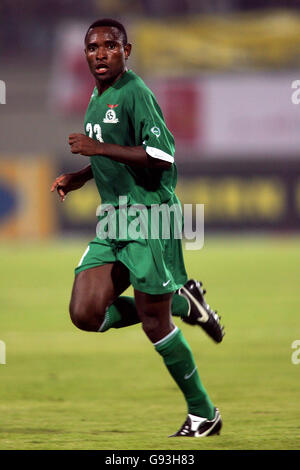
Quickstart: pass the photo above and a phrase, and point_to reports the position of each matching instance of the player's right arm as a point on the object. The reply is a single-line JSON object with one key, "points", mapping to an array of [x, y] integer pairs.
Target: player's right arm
{"points": [[71, 181]]}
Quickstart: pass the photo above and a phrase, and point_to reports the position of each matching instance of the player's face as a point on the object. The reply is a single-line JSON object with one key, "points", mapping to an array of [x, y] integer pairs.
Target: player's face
{"points": [[106, 54]]}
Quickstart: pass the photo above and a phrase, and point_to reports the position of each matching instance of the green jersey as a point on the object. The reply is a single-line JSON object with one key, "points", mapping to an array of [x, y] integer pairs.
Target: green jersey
{"points": [[127, 114]]}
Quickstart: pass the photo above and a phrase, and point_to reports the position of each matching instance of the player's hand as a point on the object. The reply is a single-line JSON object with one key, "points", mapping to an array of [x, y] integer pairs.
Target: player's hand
{"points": [[66, 183], [83, 144]]}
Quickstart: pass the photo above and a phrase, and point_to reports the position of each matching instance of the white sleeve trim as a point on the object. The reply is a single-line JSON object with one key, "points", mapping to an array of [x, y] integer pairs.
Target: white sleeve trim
{"points": [[156, 153]]}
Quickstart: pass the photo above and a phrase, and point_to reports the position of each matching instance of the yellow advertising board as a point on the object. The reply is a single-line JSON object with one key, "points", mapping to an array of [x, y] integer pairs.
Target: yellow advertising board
{"points": [[228, 42], [26, 206], [236, 199]]}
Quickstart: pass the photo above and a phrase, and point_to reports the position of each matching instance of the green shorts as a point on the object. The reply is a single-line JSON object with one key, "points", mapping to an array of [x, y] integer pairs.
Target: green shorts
{"points": [[148, 247]]}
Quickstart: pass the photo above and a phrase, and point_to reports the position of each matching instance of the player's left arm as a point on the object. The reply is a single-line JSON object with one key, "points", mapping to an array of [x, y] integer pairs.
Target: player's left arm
{"points": [[136, 156]]}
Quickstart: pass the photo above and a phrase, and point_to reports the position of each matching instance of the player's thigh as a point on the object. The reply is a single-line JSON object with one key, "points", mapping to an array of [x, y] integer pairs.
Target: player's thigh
{"points": [[155, 314], [96, 288]]}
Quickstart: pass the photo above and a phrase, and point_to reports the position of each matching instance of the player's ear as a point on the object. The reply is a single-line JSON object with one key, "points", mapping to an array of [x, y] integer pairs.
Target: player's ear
{"points": [[127, 50]]}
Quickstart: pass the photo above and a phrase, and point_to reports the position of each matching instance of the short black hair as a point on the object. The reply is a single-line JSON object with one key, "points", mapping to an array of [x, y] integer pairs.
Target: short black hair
{"points": [[109, 22]]}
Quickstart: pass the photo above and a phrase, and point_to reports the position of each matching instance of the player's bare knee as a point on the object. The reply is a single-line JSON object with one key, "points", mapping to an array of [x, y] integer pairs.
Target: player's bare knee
{"points": [[85, 318], [78, 317], [150, 325]]}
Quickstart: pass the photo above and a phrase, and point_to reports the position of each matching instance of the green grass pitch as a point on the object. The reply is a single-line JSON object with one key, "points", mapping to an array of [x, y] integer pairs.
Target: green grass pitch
{"points": [[62, 388]]}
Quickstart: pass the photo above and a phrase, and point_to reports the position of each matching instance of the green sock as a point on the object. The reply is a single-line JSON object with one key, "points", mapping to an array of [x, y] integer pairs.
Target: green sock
{"points": [[123, 312], [179, 360], [120, 314], [180, 306]]}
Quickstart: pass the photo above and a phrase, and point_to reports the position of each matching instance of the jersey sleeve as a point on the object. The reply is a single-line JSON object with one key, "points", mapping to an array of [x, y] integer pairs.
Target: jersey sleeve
{"points": [[150, 127]]}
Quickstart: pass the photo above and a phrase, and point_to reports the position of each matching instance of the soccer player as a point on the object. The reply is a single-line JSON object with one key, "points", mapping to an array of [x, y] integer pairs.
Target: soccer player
{"points": [[132, 155]]}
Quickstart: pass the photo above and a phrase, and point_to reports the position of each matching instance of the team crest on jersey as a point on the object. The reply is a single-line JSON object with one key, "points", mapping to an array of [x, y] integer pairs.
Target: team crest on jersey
{"points": [[156, 131], [110, 116]]}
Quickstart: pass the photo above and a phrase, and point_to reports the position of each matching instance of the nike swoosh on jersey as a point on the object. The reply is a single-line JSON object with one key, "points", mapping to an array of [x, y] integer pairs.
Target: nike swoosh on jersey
{"points": [[166, 283]]}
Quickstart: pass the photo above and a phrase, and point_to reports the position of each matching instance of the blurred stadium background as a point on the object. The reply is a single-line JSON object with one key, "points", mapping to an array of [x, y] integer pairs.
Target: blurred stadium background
{"points": [[222, 71]]}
